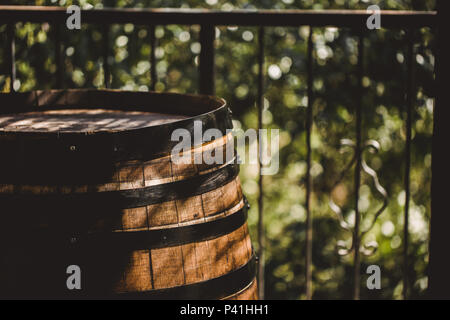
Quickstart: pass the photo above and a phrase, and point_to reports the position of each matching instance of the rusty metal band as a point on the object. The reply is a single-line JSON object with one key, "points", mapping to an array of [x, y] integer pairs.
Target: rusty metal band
{"points": [[124, 199], [167, 237]]}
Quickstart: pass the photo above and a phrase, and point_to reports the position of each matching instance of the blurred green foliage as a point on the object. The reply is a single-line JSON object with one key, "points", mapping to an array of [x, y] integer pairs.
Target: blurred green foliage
{"points": [[335, 54]]}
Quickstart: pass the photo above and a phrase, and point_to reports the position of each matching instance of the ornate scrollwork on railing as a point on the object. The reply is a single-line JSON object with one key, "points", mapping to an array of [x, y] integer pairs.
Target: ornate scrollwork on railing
{"points": [[370, 247]]}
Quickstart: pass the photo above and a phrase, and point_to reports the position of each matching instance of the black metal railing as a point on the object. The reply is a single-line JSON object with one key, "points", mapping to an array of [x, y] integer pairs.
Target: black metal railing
{"points": [[208, 19]]}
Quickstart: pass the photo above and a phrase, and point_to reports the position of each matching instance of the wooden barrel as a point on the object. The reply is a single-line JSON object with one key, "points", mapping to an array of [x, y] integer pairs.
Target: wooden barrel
{"points": [[87, 179]]}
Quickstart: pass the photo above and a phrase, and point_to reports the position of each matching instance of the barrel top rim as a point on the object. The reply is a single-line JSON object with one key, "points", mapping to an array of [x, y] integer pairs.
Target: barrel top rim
{"points": [[193, 106]]}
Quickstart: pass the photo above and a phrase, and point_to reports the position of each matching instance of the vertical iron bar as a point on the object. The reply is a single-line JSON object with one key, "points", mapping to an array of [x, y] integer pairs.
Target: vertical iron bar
{"points": [[439, 266], [58, 57], [206, 69], [106, 70], [152, 58], [309, 120], [12, 55], [409, 106], [358, 150], [261, 231]]}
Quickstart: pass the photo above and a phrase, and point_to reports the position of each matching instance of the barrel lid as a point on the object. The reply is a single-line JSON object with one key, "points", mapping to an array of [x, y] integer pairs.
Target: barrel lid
{"points": [[56, 111]]}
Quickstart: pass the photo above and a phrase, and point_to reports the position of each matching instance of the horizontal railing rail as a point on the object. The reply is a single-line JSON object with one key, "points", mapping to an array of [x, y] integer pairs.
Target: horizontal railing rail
{"points": [[340, 18]]}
